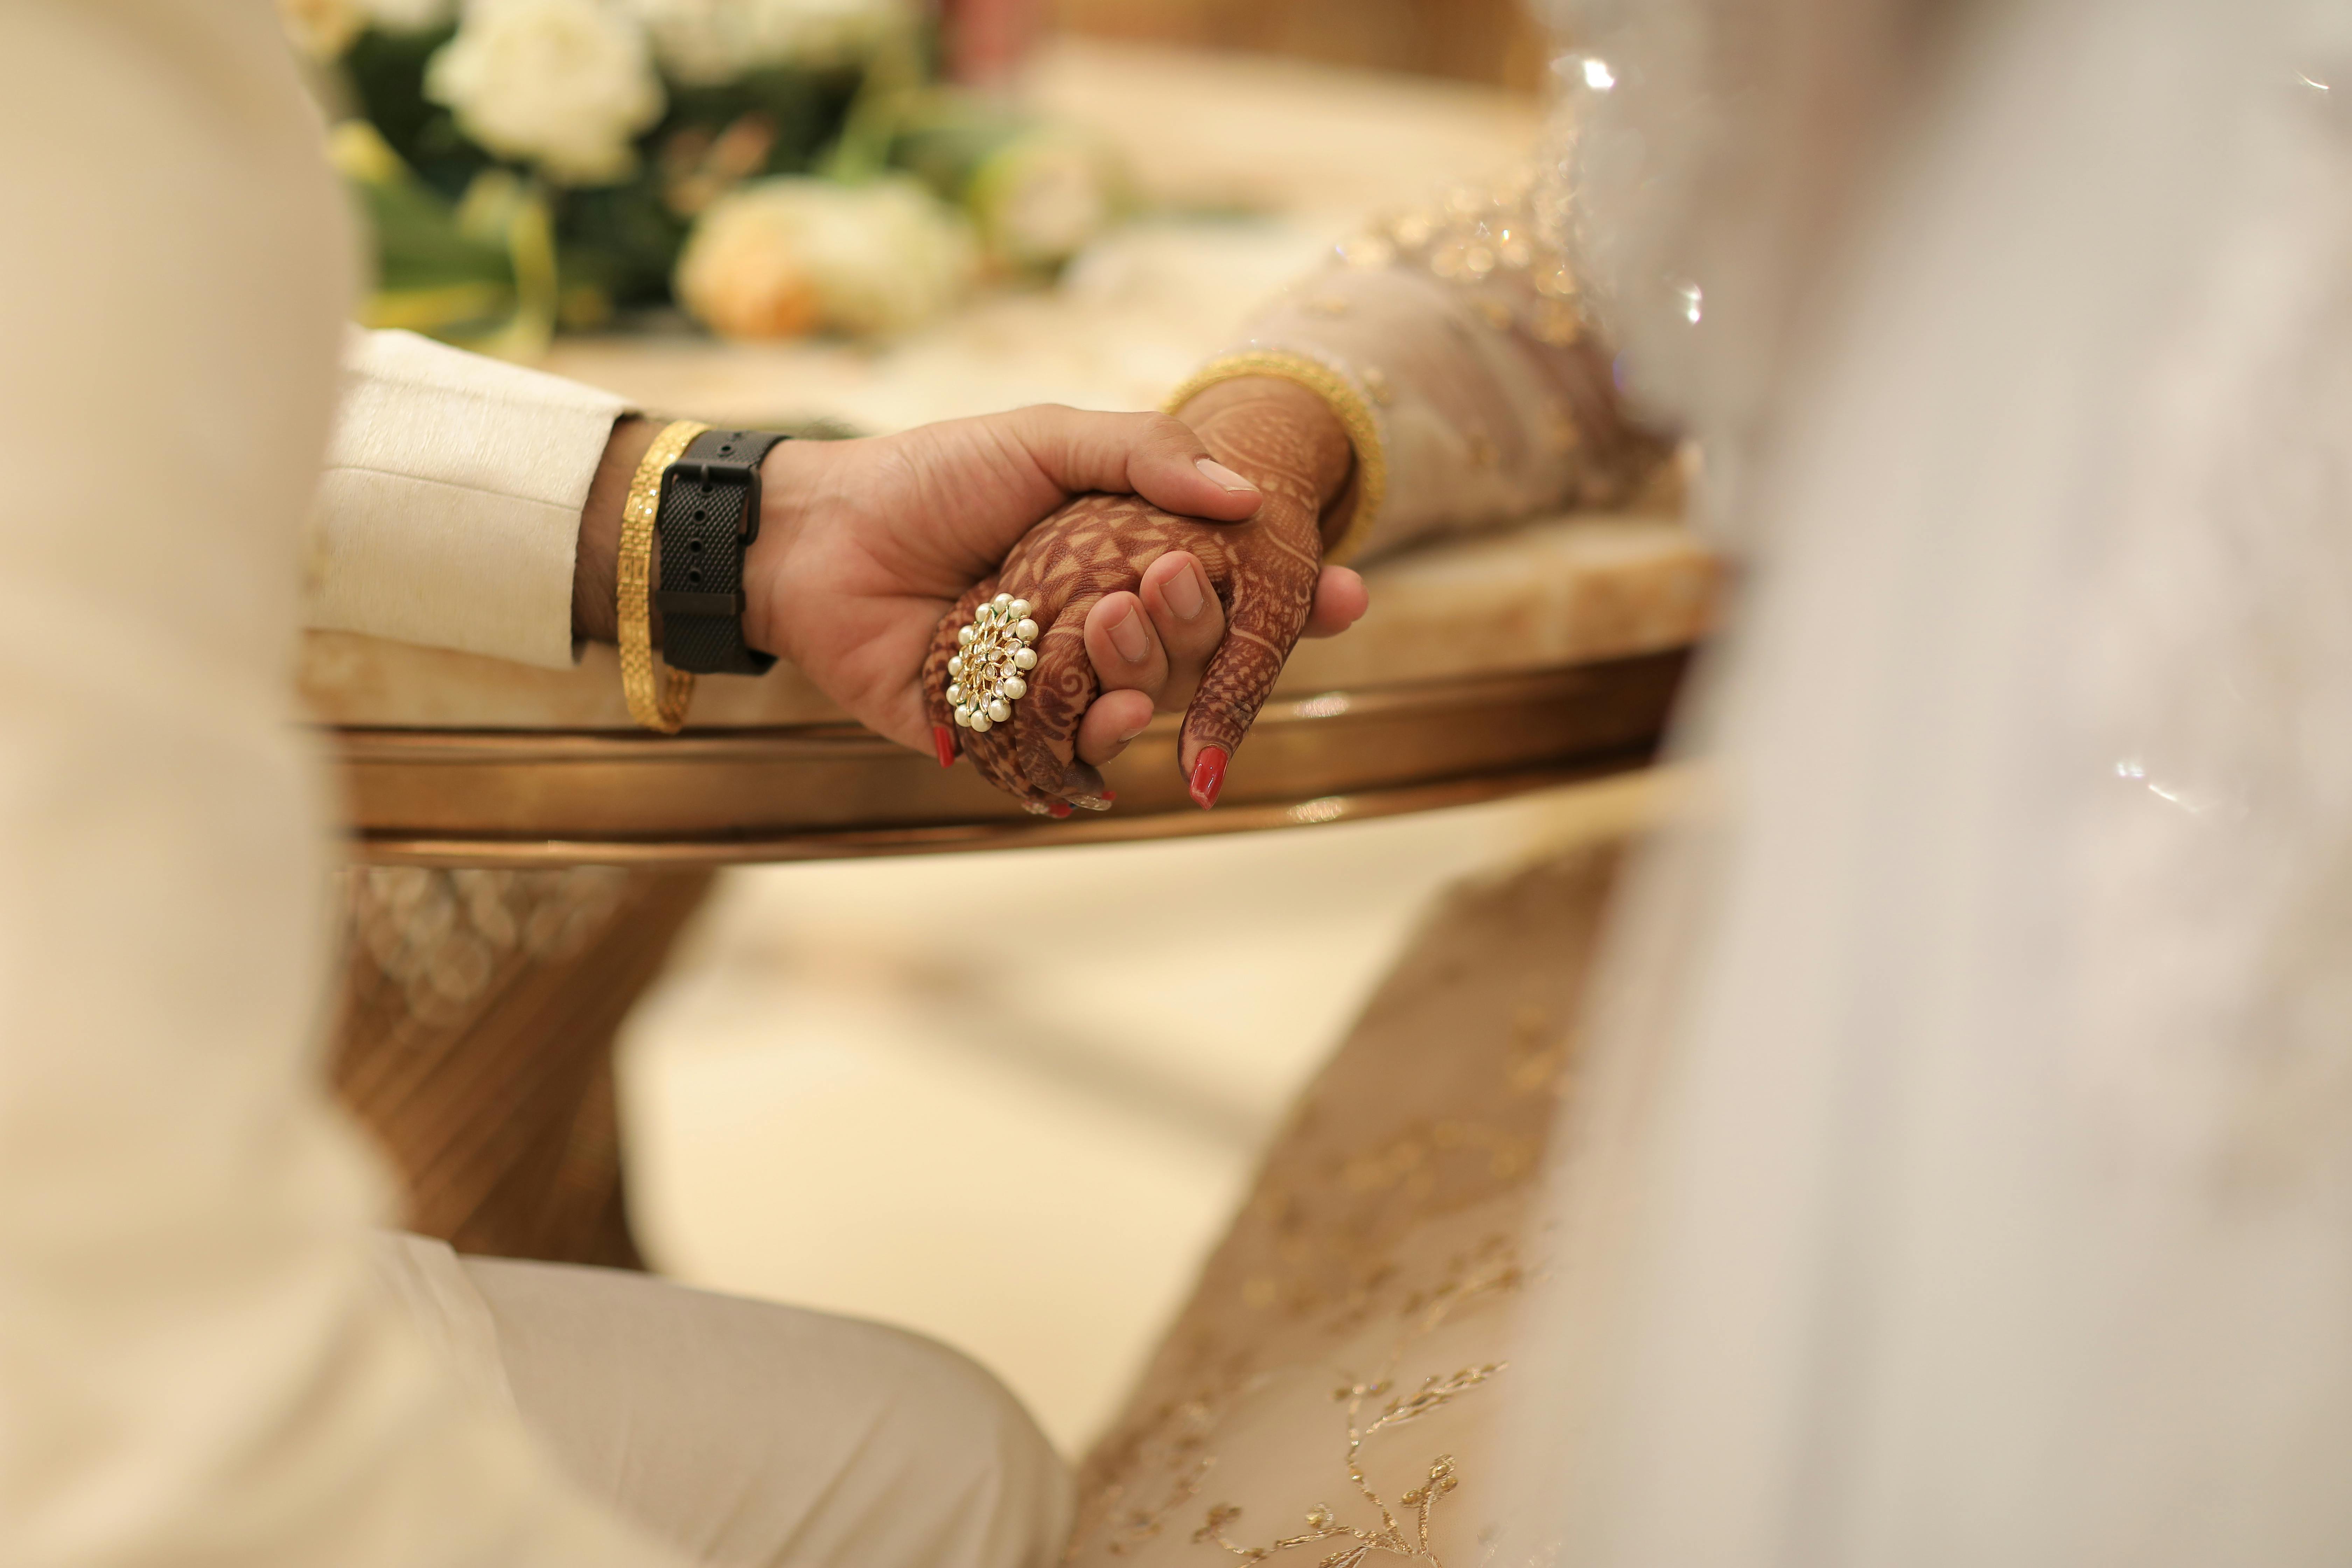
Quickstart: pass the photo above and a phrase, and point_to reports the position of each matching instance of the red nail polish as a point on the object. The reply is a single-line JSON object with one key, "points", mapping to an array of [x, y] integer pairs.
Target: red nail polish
{"points": [[1208, 776], [1057, 809], [944, 739], [1107, 793]]}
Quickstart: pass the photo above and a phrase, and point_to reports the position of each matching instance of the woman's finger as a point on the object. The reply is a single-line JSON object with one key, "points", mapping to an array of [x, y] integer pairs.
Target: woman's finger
{"points": [[1045, 721], [991, 749], [1188, 620], [1097, 545], [1269, 609], [947, 739]]}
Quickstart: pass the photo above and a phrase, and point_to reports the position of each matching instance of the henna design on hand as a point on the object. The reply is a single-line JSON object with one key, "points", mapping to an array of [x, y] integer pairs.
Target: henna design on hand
{"points": [[1263, 572]]}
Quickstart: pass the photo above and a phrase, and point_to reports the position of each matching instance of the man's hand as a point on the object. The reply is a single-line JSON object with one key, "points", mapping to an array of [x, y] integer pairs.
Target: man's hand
{"points": [[1141, 607], [863, 545]]}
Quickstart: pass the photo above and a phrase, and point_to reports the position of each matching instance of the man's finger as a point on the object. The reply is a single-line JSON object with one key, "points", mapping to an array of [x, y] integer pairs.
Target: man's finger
{"points": [[1190, 621], [1125, 649], [1341, 601], [1115, 719], [1149, 455]]}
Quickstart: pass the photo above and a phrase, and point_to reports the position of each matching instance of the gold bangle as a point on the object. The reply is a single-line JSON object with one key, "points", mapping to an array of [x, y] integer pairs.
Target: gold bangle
{"points": [[657, 699], [1348, 405]]}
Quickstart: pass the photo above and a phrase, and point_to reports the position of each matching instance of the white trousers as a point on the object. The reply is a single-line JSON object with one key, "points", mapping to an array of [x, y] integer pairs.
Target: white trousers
{"points": [[746, 1433]]}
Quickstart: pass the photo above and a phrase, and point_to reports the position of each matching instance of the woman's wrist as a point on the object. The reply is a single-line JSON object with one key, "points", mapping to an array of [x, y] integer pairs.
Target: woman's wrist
{"points": [[1275, 430]]}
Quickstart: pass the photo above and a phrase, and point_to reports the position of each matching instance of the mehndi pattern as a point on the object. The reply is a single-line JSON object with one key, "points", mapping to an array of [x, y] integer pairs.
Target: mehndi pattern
{"points": [[1263, 572]]}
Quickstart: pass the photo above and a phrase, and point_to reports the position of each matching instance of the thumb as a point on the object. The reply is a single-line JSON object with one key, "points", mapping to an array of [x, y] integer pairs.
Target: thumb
{"points": [[1149, 455]]}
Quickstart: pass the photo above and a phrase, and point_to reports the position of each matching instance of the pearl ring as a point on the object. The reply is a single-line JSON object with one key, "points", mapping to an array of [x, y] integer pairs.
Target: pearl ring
{"points": [[986, 674]]}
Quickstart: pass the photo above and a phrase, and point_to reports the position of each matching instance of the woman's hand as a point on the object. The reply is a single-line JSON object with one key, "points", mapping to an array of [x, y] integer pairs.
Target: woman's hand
{"points": [[1107, 578]]}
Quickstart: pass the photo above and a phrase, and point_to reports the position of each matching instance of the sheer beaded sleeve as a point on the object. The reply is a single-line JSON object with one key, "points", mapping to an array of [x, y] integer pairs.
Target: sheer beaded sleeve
{"points": [[1448, 339]]}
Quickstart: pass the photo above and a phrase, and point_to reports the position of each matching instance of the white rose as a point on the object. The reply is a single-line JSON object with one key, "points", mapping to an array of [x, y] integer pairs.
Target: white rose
{"points": [[322, 29], [700, 42], [564, 84], [781, 257]]}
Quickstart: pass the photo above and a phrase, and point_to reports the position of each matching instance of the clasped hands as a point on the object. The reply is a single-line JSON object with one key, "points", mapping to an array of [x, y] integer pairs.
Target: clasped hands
{"points": [[1171, 566]]}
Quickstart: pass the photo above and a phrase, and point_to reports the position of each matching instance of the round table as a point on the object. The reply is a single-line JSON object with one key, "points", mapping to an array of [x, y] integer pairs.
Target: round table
{"points": [[1486, 667], [527, 857]]}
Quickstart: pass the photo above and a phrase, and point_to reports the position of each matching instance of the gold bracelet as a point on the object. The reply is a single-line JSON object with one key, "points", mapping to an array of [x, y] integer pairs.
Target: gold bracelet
{"points": [[1348, 406], [657, 699]]}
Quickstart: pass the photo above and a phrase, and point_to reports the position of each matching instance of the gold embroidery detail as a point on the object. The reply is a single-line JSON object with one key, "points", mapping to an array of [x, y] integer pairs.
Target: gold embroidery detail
{"points": [[1471, 234], [1389, 1538], [1373, 1224]]}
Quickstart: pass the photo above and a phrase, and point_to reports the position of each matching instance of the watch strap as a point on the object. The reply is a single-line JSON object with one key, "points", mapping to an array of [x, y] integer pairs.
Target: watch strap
{"points": [[709, 515]]}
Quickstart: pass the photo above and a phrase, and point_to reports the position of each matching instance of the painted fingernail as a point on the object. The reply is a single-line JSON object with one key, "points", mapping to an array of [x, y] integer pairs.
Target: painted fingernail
{"points": [[1182, 592], [944, 739], [1208, 776], [1057, 809], [1224, 477], [1127, 635]]}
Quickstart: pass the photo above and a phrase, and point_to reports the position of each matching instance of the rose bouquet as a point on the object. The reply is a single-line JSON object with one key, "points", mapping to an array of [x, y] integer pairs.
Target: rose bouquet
{"points": [[774, 167]]}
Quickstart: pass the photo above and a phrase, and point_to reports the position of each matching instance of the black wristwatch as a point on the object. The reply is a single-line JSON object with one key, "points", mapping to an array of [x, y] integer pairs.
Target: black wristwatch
{"points": [[710, 514]]}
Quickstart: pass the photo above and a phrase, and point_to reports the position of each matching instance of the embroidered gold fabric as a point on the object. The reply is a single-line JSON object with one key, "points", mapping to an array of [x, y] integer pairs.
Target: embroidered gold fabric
{"points": [[658, 696], [1486, 240], [1331, 1387]]}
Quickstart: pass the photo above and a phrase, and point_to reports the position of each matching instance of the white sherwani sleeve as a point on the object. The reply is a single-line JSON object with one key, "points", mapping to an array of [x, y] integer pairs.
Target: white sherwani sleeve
{"points": [[197, 1364], [448, 513]]}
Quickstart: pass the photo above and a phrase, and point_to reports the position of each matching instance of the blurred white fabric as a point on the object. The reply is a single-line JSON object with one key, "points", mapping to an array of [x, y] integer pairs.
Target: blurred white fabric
{"points": [[204, 1358], [193, 1366], [1966, 1179]]}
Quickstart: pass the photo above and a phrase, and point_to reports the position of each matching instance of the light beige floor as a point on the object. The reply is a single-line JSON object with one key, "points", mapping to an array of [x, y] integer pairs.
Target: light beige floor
{"points": [[1010, 1099]]}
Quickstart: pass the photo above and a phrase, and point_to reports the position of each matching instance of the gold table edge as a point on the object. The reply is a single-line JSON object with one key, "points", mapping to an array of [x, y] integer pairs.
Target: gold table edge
{"points": [[840, 739], [397, 849]]}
